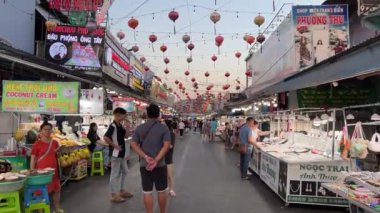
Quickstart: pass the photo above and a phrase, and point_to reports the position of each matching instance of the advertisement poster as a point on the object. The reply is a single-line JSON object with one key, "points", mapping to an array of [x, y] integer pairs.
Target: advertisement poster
{"points": [[75, 47], [128, 106], [40, 97], [270, 167], [91, 102], [137, 81], [305, 182], [320, 32], [365, 7], [75, 5], [255, 166]]}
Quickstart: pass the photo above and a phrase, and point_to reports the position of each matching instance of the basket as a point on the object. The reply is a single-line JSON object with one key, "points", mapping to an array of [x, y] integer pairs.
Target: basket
{"points": [[37, 180], [11, 186]]}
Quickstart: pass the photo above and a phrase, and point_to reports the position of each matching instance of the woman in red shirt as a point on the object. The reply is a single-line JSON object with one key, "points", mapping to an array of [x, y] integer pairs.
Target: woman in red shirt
{"points": [[44, 156]]}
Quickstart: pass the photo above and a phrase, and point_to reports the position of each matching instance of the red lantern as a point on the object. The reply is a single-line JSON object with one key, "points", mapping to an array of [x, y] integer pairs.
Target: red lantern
{"points": [[207, 74], [250, 39], [163, 48], [135, 48], [146, 69], [133, 23], [238, 55], [166, 71], [214, 58], [218, 42], [187, 73], [152, 38], [248, 73], [166, 61], [191, 46], [176, 82], [120, 35], [227, 74], [173, 15], [193, 79], [261, 38], [238, 87], [142, 59], [215, 17]]}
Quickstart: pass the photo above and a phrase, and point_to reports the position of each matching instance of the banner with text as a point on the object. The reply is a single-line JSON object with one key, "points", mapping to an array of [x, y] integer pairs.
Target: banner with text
{"points": [[321, 31], [40, 97], [91, 102], [270, 167], [75, 47]]}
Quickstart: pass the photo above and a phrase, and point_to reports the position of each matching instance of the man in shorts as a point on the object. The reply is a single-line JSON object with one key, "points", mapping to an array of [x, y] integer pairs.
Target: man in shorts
{"points": [[151, 141]]}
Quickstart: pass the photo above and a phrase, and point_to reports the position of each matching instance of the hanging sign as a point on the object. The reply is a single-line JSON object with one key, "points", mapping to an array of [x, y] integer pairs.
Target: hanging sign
{"points": [[91, 102], [116, 64], [321, 31], [137, 80], [40, 97], [75, 5], [75, 47]]}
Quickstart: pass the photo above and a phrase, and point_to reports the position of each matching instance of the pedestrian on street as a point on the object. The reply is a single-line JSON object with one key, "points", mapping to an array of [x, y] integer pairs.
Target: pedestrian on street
{"points": [[247, 141], [115, 137], [214, 127], [181, 127], [151, 141], [200, 126], [228, 133], [169, 158]]}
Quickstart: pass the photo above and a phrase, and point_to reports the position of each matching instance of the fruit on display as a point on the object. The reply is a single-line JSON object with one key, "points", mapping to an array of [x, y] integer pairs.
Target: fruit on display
{"points": [[19, 135], [68, 159]]}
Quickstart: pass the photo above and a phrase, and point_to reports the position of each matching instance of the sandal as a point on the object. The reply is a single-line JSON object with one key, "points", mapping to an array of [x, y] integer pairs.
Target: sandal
{"points": [[172, 193], [126, 194], [117, 199]]}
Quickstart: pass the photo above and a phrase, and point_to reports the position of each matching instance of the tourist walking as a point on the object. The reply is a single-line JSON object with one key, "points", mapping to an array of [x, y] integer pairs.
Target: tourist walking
{"points": [[247, 140], [181, 127], [115, 137], [228, 133], [151, 141], [213, 128], [169, 159]]}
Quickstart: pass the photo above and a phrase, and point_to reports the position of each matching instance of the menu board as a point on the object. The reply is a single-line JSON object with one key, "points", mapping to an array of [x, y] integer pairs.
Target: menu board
{"points": [[40, 97]]}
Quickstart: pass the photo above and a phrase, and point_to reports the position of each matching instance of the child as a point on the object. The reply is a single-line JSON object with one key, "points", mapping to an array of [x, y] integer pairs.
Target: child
{"points": [[44, 156]]}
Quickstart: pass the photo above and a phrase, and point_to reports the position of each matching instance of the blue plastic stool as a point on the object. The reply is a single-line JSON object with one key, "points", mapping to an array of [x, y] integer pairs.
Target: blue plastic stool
{"points": [[36, 195]]}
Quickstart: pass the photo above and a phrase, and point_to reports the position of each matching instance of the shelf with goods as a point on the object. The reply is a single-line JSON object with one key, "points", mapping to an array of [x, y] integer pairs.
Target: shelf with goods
{"points": [[361, 189]]}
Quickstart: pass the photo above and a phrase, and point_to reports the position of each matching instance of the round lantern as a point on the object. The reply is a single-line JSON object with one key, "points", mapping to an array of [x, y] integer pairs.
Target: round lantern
{"points": [[207, 74], [195, 85], [218, 42], [248, 73], [166, 61], [176, 82], [163, 48], [50, 25], [135, 48], [214, 58], [238, 87], [146, 69], [133, 23], [120, 35], [215, 17], [191, 46], [189, 60], [250, 39], [142, 59], [152, 39], [166, 71], [227, 74], [259, 20], [187, 73], [173, 15], [185, 38], [193, 79], [238, 55], [261, 38]]}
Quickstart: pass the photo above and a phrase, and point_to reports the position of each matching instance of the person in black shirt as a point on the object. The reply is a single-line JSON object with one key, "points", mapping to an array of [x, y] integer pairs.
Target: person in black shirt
{"points": [[115, 136], [169, 158], [98, 144]]}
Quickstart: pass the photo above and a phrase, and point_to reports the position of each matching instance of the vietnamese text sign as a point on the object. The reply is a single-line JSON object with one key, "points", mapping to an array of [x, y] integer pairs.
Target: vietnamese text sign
{"points": [[91, 102], [75, 5], [321, 31], [40, 97], [75, 47], [269, 169]]}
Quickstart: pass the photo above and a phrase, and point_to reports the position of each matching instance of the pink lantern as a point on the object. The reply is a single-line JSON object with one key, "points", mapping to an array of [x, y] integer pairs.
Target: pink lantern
{"points": [[135, 48], [166, 61], [218, 42], [214, 58], [193, 79], [152, 39], [176, 82], [133, 23], [163, 48], [142, 59], [215, 17], [238, 55], [191, 46], [187, 73], [120, 35], [166, 71], [173, 15]]}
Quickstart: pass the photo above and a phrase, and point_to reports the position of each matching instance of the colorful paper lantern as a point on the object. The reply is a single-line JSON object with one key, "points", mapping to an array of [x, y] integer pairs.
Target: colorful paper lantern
{"points": [[218, 42], [173, 15], [142, 59], [259, 20], [152, 39], [133, 23], [215, 17], [120, 35]]}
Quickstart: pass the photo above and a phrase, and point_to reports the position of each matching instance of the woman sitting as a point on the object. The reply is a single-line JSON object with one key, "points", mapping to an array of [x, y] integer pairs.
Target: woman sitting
{"points": [[97, 144]]}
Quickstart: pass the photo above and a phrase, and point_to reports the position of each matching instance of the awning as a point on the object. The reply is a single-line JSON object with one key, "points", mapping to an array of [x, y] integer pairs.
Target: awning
{"points": [[359, 60]]}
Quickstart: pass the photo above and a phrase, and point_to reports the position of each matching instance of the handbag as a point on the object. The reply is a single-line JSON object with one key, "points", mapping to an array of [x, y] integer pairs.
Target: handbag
{"points": [[359, 145], [374, 144]]}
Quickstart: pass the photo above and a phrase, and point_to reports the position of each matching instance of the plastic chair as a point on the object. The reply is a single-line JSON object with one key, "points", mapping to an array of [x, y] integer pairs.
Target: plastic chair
{"points": [[36, 195], [38, 206], [10, 202], [97, 163]]}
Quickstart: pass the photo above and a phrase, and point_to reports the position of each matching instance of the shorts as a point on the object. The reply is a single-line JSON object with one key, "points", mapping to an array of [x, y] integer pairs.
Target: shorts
{"points": [[169, 157], [158, 178]]}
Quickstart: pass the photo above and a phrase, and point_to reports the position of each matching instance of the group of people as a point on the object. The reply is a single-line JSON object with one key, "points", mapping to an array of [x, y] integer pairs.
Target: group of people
{"points": [[153, 142]]}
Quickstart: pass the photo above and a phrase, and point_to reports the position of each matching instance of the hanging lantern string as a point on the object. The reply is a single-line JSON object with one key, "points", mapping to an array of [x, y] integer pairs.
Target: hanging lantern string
{"points": [[119, 19]]}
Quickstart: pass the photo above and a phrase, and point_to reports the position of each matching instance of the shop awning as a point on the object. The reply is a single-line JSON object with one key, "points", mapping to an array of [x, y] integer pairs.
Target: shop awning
{"points": [[363, 59]]}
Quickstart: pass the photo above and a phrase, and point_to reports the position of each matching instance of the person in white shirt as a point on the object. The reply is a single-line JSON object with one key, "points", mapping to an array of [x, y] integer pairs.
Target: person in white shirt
{"points": [[181, 128]]}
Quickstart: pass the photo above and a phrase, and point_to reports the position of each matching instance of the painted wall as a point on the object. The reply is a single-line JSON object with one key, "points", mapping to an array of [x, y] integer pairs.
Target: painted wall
{"points": [[17, 20]]}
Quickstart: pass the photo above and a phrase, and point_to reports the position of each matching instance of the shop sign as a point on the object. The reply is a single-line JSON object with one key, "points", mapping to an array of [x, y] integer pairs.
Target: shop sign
{"points": [[320, 31], [305, 182], [40, 97], [269, 171], [255, 166], [91, 102], [337, 98], [75, 5], [117, 66], [75, 47], [137, 80], [365, 7], [128, 106]]}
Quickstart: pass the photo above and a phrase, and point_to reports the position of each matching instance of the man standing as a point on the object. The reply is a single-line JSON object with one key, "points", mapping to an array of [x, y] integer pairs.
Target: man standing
{"points": [[181, 128], [151, 141], [115, 136], [247, 141]]}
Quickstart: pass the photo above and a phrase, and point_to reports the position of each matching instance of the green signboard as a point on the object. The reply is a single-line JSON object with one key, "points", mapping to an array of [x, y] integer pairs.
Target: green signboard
{"points": [[40, 97], [337, 97]]}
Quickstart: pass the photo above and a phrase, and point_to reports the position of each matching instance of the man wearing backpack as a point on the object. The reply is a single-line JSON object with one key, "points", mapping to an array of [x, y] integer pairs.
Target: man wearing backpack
{"points": [[151, 141]]}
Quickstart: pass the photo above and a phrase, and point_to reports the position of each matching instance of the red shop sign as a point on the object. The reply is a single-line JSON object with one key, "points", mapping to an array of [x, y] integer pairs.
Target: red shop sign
{"points": [[78, 5], [119, 61]]}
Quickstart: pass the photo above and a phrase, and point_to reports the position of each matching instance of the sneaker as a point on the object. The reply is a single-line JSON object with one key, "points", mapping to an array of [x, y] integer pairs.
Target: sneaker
{"points": [[249, 173], [246, 178], [59, 211], [126, 194], [117, 199]]}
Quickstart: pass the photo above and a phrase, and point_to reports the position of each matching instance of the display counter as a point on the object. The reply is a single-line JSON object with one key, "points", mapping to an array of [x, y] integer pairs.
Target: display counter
{"points": [[296, 173]]}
